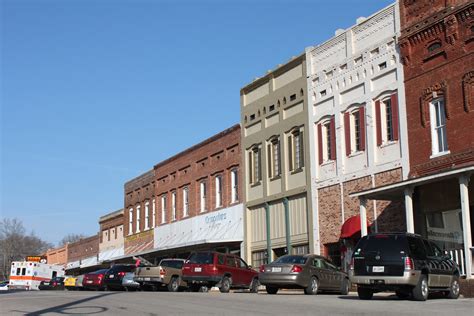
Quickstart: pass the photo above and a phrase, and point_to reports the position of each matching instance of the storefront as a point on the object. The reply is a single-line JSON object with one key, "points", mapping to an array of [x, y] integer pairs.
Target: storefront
{"points": [[438, 207]]}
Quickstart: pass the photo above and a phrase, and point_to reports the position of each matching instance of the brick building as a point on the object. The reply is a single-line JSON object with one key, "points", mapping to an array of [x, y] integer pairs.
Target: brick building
{"points": [[358, 129], [58, 256], [437, 41], [83, 254], [111, 236], [189, 201]]}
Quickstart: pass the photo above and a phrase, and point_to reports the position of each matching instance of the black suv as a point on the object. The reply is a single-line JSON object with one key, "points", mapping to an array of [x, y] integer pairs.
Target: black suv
{"points": [[113, 277], [405, 263]]}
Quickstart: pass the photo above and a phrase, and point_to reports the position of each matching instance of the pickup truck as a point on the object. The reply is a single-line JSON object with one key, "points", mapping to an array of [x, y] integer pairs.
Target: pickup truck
{"points": [[167, 273]]}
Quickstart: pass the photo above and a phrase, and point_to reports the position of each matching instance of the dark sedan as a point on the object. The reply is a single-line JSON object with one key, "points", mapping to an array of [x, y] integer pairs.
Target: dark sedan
{"points": [[309, 272], [56, 283]]}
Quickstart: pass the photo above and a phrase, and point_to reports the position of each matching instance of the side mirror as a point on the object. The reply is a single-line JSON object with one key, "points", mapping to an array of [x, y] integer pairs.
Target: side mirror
{"points": [[250, 267]]}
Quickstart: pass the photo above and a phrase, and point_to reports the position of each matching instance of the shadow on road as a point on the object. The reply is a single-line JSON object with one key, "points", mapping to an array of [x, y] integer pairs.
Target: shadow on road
{"points": [[70, 309]]}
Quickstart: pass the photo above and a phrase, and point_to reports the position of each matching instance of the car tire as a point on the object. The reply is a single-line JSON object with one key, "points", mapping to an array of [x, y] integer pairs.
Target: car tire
{"points": [[345, 286], [271, 289], [453, 289], [420, 291], [254, 286], [365, 293], [225, 285], [313, 286], [173, 286]]}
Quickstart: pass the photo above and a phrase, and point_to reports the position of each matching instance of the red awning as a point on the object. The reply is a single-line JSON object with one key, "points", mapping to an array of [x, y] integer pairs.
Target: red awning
{"points": [[351, 227]]}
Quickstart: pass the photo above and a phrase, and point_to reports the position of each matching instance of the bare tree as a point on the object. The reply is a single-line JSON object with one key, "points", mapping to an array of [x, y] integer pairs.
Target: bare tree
{"points": [[15, 244], [70, 238]]}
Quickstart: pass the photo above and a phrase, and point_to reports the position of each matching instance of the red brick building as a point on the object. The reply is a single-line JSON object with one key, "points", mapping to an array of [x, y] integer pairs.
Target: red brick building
{"points": [[437, 42], [83, 254]]}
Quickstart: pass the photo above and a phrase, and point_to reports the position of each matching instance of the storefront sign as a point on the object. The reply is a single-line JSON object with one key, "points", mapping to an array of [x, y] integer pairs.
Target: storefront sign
{"points": [[41, 259]]}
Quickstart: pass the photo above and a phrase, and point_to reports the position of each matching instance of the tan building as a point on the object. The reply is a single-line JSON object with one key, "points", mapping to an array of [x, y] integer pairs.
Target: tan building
{"points": [[58, 255], [276, 164], [111, 240]]}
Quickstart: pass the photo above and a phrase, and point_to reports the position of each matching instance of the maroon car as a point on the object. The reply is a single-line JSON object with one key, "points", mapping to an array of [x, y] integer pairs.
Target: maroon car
{"points": [[94, 280], [226, 271]]}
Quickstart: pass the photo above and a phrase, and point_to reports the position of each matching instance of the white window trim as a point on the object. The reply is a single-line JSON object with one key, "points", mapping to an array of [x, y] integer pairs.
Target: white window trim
{"points": [[202, 195], [234, 180], [185, 202], [130, 221], [137, 229], [173, 206], [163, 209], [325, 137], [219, 188], [147, 215], [153, 219], [435, 150]]}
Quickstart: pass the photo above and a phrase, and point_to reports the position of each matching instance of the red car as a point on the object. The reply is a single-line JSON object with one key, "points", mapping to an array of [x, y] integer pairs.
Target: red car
{"points": [[226, 271], [94, 280]]}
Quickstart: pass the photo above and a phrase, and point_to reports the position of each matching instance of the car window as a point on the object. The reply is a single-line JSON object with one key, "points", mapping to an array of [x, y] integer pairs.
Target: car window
{"points": [[291, 259], [387, 246], [242, 263], [437, 252], [429, 250], [175, 264], [417, 249], [202, 258], [329, 265], [318, 263], [230, 261], [221, 259]]}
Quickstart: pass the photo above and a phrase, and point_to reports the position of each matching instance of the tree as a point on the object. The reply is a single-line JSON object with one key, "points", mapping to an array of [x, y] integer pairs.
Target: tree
{"points": [[15, 244], [70, 238]]}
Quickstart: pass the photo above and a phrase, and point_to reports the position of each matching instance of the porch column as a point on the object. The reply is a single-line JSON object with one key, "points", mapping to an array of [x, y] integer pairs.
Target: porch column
{"points": [[466, 222], [363, 216], [287, 225], [409, 210], [269, 239]]}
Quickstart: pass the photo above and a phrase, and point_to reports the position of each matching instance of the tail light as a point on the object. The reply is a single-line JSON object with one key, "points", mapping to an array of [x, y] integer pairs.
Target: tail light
{"points": [[55, 283], [351, 266], [262, 268], [100, 276], [162, 272], [296, 269], [409, 263], [121, 274]]}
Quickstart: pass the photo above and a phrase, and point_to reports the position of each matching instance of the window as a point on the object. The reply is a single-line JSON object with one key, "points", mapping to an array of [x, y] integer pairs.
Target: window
{"points": [[274, 158], [137, 228], [147, 215], [218, 191], [272, 107], [234, 183], [185, 202], [383, 65], [292, 97], [153, 219], [322, 93], [300, 250], [438, 127], [203, 194], [173, 206], [295, 150], [434, 47], [327, 141], [354, 129], [130, 221], [254, 162], [386, 116], [163, 209]]}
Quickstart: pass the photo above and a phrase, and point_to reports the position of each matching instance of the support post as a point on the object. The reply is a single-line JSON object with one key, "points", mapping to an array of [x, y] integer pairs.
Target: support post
{"points": [[466, 222], [409, 209], [363, 216], [269, 240], [287, 225]]}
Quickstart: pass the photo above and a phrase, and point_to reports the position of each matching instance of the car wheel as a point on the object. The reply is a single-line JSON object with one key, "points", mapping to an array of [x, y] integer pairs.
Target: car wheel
{"points": [[454, 289], [402, 294], [254, 286], [420, 291], [173, 286], [313, 286], [271, 289], [345, 286], [365, 293], [225, 285]]}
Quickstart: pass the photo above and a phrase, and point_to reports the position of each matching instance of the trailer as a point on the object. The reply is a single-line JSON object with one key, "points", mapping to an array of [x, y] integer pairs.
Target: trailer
{"points": [[27, 275]]}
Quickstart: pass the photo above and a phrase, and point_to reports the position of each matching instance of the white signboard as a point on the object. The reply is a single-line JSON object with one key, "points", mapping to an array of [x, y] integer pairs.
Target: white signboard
{"points": [[110, 254], [447, 227], [219, 226]]}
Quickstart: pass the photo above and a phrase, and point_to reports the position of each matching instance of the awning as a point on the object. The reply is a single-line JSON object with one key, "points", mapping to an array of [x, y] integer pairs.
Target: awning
{"points": [[351, 227]]}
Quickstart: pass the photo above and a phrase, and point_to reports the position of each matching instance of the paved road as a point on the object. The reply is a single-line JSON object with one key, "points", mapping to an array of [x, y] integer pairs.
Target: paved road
{"points": [[215, 303]]}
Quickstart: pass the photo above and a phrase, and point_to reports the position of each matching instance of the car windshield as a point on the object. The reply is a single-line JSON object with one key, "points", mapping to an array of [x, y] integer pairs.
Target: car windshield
{"points": [[291, 259], [100, 271], [385, 245], [176, 264], [201, 257]]}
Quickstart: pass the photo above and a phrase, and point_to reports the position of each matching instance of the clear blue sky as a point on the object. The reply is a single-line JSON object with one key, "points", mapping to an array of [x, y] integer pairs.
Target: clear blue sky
{"points": [[95, 93]]}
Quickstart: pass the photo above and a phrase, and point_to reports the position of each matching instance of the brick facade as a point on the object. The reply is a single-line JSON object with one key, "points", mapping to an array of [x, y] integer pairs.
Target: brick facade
{"points": [[84, 248], [58, 255], [437, 44]]}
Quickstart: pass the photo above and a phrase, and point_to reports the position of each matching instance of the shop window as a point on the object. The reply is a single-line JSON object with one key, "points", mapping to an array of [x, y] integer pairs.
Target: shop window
{"points": [[258, 258], [333, 252], [300, 250]]}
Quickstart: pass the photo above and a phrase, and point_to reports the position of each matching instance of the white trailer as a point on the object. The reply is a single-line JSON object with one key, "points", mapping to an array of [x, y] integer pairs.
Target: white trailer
{"points": [[28, 275]]}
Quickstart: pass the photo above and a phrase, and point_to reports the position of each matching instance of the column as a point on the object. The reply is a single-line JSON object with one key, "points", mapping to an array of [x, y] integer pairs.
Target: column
{"points": [[269, 240], [363, 216], [409, 209], [287, 225], [466, 222]]}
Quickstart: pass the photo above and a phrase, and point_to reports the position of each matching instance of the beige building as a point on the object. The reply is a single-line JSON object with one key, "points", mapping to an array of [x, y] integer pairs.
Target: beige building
{"points": [[111, 243], [276, 164]]}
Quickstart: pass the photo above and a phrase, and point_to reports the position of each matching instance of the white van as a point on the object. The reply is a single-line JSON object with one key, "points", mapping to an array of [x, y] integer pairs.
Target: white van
{"points": [[28, 275]]}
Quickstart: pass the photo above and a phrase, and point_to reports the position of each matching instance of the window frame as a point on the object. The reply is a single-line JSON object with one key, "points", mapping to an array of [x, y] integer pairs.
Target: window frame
{"points": [[219, 191], [234, 185], [173, 206], [186, 201], [203, 195], [274, 158], [130, 221], [137, 219], [147, 215], [437, 108], [163, 208]]}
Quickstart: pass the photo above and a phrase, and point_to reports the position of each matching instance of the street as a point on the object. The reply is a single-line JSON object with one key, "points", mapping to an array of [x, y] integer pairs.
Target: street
{"points": [[215, 303]]}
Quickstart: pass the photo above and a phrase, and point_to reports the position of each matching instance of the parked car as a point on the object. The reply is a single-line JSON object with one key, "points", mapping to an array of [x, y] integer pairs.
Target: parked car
{"points": [[309, 272], [79, 280], [4, 285], [404, 263], [56, 283], [113, 277], [226, 271], [128, 283], [168, 273], [94, 280], [70, 283]]}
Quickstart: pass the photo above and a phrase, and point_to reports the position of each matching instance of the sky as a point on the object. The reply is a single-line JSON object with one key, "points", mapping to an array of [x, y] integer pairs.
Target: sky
{"points": [[95, 93]]}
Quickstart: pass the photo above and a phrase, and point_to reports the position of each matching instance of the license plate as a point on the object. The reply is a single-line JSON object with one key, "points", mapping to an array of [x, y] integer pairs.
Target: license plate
{"points": [[197, 269], [90, 281], [278, 269], [147, 279], [378, 269], [46, 283], [111, 276]]}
